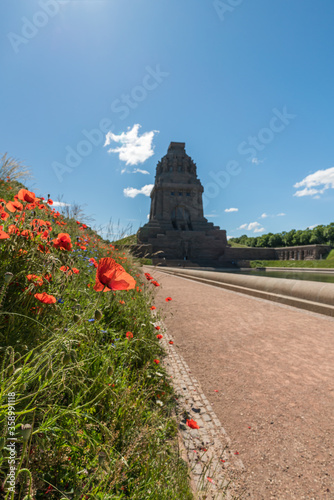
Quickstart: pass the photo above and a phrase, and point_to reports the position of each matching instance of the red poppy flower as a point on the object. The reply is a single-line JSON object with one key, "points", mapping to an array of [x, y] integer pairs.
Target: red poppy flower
{"points": [[157, 327], [63, 241], [12, 206], [75, 270], [48, 277], [168, 299], [25, 195], [4, 215], [49, 202], [45, 298], [3, 235], [152, 308], [192, 424], [159, 336], [112, 276], [156, 361], [38, 280], [43, 248], [155, 283], [13, 229], [65, 269], [171, 342], [129, 335]]}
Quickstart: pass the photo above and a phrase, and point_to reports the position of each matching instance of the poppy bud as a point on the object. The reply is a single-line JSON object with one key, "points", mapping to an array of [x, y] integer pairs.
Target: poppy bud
{"points": [[66, 358], [76, 318], [26, 431], [102, 457], [8, 277], [10, 370], [49, 374], [109, 371], [98, 315]]}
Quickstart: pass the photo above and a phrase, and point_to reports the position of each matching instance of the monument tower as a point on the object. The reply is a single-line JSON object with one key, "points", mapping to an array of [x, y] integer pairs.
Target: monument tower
{"points": [[177, 226]]}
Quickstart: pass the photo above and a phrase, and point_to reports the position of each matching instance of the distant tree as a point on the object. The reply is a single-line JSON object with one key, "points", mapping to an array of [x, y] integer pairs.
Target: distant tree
{"points": [[329, 233], [305, 237], [318, 237], [275, 240]]}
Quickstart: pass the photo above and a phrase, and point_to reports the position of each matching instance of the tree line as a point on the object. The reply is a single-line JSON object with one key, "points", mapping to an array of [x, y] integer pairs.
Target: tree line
{"points": [[317, 235]]}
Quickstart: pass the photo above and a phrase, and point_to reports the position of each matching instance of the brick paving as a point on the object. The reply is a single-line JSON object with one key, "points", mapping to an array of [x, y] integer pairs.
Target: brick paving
{"points": [[273, 369]]}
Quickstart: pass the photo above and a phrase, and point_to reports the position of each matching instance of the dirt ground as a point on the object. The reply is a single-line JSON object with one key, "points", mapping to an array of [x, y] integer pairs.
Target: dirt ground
{"points": [[273, 368]]}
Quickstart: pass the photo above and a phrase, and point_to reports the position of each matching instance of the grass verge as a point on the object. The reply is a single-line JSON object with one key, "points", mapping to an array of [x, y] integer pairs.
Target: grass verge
{"points": [[86, 410]]}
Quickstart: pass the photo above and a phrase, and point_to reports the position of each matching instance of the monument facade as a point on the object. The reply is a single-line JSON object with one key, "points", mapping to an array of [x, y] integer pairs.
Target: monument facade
{"points": [[177, 227]]}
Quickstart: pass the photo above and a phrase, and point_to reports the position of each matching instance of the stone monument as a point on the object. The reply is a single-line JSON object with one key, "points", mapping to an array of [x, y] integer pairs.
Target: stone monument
{"points": [[177, 227]]}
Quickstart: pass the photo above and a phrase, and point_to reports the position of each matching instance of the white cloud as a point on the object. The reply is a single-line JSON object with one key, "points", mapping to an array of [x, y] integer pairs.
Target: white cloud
{"points": [[211, 215], [231, 210], [252, 226], [312, 227], [139, 171], [60, 204], [324, 179], [133, 148], [264, 215], [281, 214], [256, 161], [131, 192], [229, 237]]}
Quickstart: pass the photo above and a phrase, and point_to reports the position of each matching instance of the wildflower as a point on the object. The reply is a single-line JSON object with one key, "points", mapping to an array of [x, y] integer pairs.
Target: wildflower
{"points": [[152, 308], [192, 424], [45, 298], [112, 276], [12, 206], [129, 335], [49, 202], [3, 235], [168, 299], [159, 336], [171, 342], [63, 241], [155, 283], [122, 302], [38, 280], [157, 327], [3, 215], [156, 361], [25, 195]]}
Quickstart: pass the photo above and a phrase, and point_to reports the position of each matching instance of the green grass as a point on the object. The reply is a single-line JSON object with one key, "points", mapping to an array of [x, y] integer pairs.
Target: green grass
{"points": [[128, 240], [236, 245], [324, 263], [99, 407]]}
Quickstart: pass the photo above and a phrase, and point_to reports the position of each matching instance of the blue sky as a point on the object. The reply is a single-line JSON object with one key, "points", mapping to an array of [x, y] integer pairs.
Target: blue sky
{"points": [[247, 85]]}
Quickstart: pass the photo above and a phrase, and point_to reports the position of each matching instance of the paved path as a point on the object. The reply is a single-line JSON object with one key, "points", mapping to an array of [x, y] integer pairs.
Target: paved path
{"points": [[273, 368]]}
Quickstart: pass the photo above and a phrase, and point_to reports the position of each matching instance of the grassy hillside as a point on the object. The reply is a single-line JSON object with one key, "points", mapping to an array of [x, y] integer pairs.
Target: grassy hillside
{"points": [[85, 402]]}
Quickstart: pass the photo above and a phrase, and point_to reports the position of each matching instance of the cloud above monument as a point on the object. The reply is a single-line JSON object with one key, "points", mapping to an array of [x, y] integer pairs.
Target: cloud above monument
{"points": [[252, 226], [131, 192], [264, 215], [133, 148], [227, 210], [316, 183]]}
